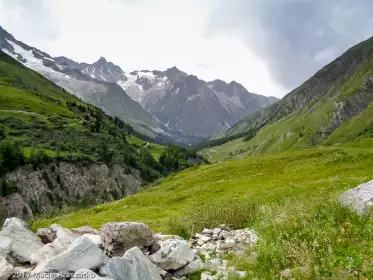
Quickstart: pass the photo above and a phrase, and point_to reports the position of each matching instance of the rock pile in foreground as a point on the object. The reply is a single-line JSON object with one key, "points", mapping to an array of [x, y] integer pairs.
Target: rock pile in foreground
{"points": [[119, 251]]}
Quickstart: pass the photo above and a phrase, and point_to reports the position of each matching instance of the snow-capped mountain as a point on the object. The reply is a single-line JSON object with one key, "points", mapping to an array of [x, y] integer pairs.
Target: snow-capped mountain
{"points": [[170, 103], [101, 70], [192, 106], [87, 82]]}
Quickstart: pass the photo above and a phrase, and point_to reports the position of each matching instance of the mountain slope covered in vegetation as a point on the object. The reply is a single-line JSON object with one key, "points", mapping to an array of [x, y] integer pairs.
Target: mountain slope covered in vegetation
{"points": [[333, 106], [41, 125]]}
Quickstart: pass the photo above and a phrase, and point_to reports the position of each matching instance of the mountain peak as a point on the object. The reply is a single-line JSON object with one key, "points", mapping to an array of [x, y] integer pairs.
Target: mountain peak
{"points": [[174, 73], [102, 60]]}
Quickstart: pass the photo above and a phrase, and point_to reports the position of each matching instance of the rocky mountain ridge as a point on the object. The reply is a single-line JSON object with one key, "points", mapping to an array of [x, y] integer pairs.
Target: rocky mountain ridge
{"points": [[189, 105], [175, 105], [94, 86]]}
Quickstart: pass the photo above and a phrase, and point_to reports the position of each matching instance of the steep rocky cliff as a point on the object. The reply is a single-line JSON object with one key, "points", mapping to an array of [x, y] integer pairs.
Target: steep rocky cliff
{"points": [[56, 186]]}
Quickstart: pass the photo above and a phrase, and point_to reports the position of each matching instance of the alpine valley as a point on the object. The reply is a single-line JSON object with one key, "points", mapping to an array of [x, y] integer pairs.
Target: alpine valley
{"points": [[273, 190], [167, 106]]}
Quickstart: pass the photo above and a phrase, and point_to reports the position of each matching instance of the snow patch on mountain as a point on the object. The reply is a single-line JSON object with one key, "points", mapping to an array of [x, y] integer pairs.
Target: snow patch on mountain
{"points": [[229, 101], [35, 63]]}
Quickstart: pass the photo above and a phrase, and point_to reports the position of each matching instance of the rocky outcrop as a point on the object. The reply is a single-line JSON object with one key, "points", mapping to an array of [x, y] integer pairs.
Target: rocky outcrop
{"points": [[359, 199], [54, 186], [138, 253], [352, 105]]}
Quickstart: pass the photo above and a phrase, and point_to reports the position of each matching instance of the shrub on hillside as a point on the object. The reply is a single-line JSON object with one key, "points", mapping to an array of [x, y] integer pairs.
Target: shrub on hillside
{"points": [[7, 188], [11, 156], [2, 132]]}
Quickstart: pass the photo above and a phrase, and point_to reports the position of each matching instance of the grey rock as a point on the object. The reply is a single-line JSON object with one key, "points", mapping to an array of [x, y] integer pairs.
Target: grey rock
{"points": [[216, 231], [65, 237], [165, 275], [221, 245], [85, 230], [132, 266], [208, 276], [47, 252], [46, 235], [190, 268], [5, 246], [96, 239], [6, 269], [24, 242], [162, 237], [81, 254], [174, 254], [117, 238], [207, 231], [359, 198]]}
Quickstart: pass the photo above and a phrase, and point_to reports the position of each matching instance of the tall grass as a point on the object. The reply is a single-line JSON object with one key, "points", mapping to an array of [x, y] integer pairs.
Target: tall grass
{"points": [[234, 213], [321, 241]]}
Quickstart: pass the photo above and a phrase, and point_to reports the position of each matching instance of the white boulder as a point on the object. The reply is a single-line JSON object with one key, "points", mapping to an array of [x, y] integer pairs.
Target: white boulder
{"points": [[65, 236], [190, 268], [47, 252], [173, 254], [6, 269], [132, 266], [24, 242], [82, 253], [5, 246], [96, 239], [359, 198]]}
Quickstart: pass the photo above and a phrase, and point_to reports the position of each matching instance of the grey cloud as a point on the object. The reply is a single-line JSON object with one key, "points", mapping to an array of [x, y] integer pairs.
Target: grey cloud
{"points": [[32, 15], [295, 37]]}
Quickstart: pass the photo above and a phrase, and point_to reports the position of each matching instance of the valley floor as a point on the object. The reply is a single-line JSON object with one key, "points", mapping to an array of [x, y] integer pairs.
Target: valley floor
{"points": [[290, 199]]}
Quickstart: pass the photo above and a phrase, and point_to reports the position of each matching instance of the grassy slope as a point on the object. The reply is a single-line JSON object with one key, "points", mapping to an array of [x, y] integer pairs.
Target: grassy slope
{"points": [[155, 149], [34, 111], [309, 125], [296, 192], [302, 128]]}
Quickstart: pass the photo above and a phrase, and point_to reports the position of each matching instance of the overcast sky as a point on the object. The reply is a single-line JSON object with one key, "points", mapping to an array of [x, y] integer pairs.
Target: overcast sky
{"points": [[270, 46]]}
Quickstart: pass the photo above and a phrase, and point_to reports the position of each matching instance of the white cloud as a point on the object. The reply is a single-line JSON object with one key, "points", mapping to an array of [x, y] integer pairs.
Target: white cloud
{"points": [[144, 34]]}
